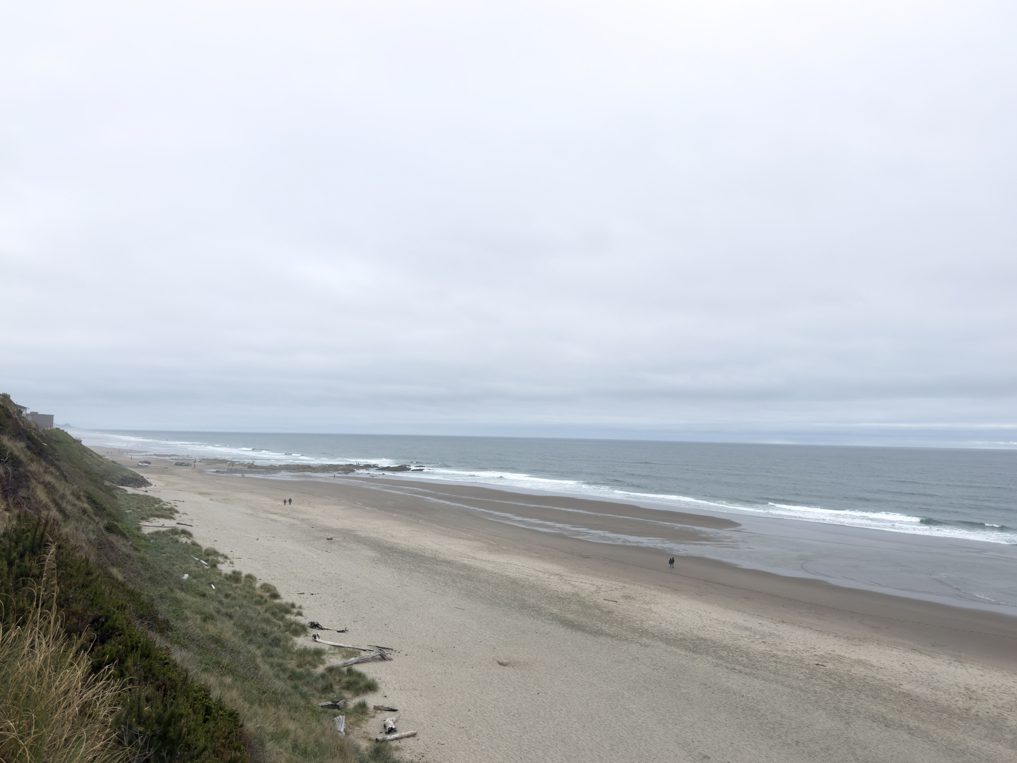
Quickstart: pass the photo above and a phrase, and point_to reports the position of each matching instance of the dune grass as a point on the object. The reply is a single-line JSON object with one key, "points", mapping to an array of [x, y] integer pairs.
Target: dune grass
{"points": [[165, 715], [198, 669], [236, 635], [53, 706]]}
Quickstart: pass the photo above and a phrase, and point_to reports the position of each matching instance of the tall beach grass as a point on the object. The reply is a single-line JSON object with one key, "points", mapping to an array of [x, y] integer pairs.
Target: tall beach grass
{"points": [[53, 707]]}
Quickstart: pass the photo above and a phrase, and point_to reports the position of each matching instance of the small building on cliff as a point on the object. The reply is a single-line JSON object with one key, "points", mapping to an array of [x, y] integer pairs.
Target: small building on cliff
{"points": [[41, 420]]}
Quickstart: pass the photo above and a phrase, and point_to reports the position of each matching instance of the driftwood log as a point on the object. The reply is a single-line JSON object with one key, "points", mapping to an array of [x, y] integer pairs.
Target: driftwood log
{"points": [[369, 657], [386, 708], [393, 737], [340, 724], [318, 640], [333, 704]]}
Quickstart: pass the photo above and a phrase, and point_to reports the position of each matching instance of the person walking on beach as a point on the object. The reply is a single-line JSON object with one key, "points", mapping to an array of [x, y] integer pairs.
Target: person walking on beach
{"points": [[670, 562]]}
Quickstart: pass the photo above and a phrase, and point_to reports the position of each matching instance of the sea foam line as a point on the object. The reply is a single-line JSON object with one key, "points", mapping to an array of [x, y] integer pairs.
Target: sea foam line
{"points": [[884, 521]]}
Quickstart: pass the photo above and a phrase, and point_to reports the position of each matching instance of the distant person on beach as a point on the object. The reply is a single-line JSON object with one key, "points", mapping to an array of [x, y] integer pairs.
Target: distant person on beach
{"points": [[670, 562]]}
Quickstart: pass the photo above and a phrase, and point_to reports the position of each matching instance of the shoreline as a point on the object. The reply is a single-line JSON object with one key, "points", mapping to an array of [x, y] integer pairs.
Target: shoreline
{"points": [[520, 645], [882, 547], [689, 530], [959, 631]]}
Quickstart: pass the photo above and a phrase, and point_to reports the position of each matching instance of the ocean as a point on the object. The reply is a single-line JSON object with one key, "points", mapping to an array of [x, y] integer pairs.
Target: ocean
{"points": [[928, 523]]}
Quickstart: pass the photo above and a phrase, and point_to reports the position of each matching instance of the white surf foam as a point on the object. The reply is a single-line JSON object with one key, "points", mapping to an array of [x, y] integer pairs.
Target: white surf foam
{"points": [[244, 454], [885, 521]]}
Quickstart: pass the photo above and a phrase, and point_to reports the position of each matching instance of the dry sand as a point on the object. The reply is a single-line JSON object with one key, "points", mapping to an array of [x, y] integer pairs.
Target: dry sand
{"points": [[514, 645]]}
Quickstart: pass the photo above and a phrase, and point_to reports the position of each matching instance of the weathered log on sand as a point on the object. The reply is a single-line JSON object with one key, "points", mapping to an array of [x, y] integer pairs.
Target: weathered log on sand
{"points": [[393, 737], [386, 708], [340, 724], [369, 657], [318, 640]]}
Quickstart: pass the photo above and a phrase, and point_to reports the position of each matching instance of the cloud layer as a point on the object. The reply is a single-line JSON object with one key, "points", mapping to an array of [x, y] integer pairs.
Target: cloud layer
{"points": [[561, 218]]}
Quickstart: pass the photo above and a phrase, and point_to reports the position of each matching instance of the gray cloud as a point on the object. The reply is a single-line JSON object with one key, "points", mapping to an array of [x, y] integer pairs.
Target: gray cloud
{"points": [[556, 217]]}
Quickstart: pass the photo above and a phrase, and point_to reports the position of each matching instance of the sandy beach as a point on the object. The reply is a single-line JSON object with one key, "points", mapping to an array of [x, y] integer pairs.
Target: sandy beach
{"points": [[515, 645]]}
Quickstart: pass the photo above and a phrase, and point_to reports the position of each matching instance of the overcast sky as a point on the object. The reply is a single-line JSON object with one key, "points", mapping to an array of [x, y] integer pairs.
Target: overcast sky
{"points": [[685, 219]]}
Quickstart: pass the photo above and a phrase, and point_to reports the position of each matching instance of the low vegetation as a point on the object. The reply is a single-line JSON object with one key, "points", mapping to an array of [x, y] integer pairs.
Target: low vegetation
{"points": [[236, 634], [154, 652], [53, 705]]}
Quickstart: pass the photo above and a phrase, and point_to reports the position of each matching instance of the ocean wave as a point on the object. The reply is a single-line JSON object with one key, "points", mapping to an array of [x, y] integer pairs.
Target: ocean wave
{"points": [[991, 526], [192, 448], [500, 479], [886, 521]]}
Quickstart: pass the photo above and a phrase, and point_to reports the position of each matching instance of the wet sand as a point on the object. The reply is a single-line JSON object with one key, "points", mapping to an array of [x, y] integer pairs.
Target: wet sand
{"points": [[517, 645]]}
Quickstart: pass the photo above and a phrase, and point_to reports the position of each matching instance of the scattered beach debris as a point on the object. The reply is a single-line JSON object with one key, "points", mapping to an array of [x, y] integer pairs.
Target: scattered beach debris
{"points": [[199, 560], [330, 537], [333, 704], [314, 625], [393, 737], [185, 576], [340, 724], [388, 725], [211, 586], [386, 708]]}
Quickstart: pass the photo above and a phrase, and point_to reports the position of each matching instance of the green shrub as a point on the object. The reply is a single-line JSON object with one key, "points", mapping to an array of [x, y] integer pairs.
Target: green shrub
{"points": [[269, 590], [164, 713], [158, 643]]}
